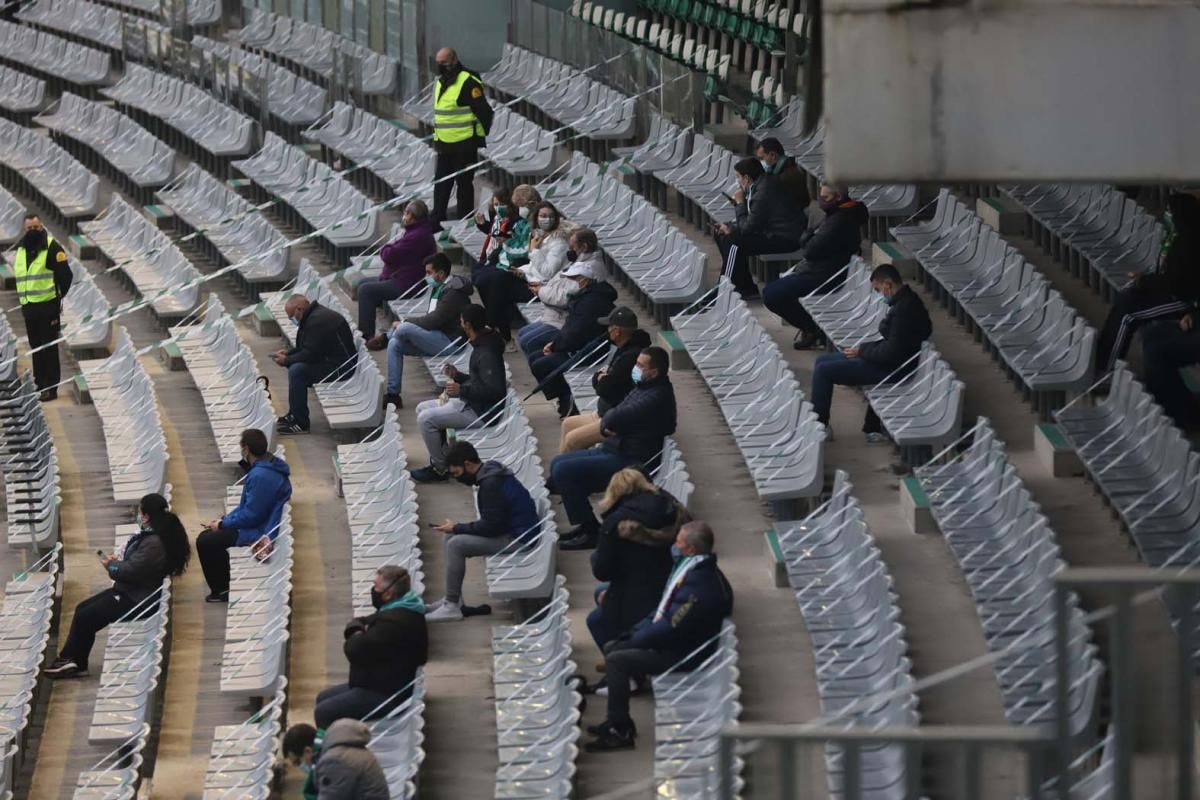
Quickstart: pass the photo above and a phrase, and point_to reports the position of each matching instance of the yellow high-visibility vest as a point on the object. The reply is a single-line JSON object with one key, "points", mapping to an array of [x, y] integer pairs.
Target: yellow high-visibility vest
{"points": [[35, 283], [452, 122]]}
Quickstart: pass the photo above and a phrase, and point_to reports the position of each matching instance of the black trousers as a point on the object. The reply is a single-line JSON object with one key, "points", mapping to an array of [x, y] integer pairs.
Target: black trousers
{"points": [[92, 616], [213, 549], [748, 246], [448, 163], [43, 325], [500, 293]]}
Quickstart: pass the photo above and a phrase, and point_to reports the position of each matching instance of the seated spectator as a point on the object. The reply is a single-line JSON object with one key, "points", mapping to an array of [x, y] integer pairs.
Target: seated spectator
{"points": [[582, 247], [1166, 293], [828, 248], [498, 225], [467, 397], [324, 351], [768, 220], [633, 558], [345, 768], [430, 334], [498, 282], [403, 267], [159, 550], [507, 513], [770, 154], [579, 335], [633, 437], [612, 382], [548, 246], [385, 650], [255, 521], [1167, 347], [905, 326], [691, 609]]}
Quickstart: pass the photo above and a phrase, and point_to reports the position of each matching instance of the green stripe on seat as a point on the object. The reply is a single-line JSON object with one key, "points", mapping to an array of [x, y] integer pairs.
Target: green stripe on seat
{"points": [[913, 486]]}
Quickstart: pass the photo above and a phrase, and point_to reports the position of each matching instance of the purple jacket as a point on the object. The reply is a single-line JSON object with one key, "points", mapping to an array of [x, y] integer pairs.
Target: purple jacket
{"points": [[402, 258]]}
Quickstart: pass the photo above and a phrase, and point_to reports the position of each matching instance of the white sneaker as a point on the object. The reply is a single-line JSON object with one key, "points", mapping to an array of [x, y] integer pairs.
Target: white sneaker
{"points": [[603, 690], [434, 606], [445, 612]]}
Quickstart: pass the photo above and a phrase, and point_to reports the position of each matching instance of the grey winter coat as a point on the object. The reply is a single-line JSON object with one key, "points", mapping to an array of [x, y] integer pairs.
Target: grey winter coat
{"points": [[345, 768]]}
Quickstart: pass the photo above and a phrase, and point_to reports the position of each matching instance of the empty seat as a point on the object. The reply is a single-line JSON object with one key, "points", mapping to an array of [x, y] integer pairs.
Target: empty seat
{"points": [[289, 97], [62, 182]]}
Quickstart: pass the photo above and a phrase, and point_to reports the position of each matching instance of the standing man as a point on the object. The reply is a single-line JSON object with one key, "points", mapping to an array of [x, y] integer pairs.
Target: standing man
{"points": [[461, 120], [43, 277]]}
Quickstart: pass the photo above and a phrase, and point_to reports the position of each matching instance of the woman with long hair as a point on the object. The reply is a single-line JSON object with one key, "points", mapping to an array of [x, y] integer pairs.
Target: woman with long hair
{"points": [[160, 549]]}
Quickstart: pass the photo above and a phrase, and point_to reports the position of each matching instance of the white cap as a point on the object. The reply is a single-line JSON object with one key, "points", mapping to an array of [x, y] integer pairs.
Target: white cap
{"points": [[580, 269]]}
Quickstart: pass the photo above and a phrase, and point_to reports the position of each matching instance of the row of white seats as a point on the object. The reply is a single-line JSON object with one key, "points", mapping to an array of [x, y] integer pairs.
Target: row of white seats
{"points": [[237, 230], [290, 97], [383, 148], [20, 93], [1030, 324], [85, 311], [317, 48], [925, 409], [214, 126], [314, 191], [118, 774], [153, 263], [65, 184], [33, 497], [127, 146], [242, 757], [54, 56], [133, 433], [97, 23], [353, 403], [227, 376], [396, 742]]}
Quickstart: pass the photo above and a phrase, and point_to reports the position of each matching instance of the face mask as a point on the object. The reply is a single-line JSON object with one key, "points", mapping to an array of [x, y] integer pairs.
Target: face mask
{"points": [[502, 211], [828, 205], [524, 212], [466, 479], [376, 597], [676, 553], [306, 768], [143, 524], [889, 299], [34, 240], [432, 282], [636, 374], [447, 70], [571, 256], [295, 319], [546, 223], [766, 167]]}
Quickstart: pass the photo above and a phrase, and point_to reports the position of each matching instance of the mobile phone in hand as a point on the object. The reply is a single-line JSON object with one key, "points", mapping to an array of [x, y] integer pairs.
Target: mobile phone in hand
{"points": [[729, 197]]}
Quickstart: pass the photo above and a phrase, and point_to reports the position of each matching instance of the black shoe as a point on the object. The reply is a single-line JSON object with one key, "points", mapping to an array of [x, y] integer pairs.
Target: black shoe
{"points": [[48, 395], [599, 727], [429, 474], [291, 429], [582, 539], [64, 668], [550, 487], [566, 408], [612, 739], [218, 597], [807, 341], [394, 399]]}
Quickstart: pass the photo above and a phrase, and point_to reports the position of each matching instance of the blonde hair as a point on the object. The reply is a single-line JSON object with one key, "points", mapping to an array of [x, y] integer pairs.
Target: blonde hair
{"points": [[525, 196], [626, 482]]}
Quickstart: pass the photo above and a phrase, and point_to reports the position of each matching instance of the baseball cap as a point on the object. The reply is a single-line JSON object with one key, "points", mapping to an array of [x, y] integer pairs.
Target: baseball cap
{"points": [[580, 269], [620, 316]]}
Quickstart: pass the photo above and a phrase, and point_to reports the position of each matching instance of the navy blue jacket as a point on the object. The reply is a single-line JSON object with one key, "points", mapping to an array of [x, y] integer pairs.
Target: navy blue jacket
{"points": [[693, 617], [904, 327], [505, 506], [583, 312], [267, 487], [641, 421]]}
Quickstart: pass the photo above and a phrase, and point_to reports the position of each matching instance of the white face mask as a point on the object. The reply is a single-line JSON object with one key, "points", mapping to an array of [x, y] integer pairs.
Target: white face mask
{"points": [[524, 212], [546, 223]]}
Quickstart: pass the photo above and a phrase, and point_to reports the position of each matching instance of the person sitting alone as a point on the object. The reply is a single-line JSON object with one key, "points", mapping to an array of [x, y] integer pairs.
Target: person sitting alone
{"points": [[255, 521], [430, 334], [403, 269], [685, 624], [507, 514], [767, 220], [633, 433], [160, 549], [612, 382], [468, 397], [384, 650], [827, 248], [324, 351], [903, 328]]}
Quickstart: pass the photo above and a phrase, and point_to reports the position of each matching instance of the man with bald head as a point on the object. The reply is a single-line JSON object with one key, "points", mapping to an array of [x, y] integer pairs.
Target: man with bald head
{"points": [[461, 120], [325, 350]]}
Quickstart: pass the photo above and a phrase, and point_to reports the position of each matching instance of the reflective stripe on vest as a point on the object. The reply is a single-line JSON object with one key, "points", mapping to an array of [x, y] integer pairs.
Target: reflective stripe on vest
{"points": [[35, 283], [452, 122]]}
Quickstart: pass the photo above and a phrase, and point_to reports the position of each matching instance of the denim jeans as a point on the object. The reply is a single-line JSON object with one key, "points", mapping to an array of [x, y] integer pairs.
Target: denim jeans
{"points": [[410, 340], [300, 377], [434, 417], [782, 296], [837, 369], [534, 336], [371, 295], [346, 702], [582, 473]]}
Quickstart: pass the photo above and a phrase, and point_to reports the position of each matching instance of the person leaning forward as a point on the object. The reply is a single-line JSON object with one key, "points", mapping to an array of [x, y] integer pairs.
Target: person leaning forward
{"points": [[43, 276]]}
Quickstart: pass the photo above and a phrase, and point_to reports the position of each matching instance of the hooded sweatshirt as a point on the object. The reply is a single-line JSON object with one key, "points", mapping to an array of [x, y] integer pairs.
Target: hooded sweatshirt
{"points": [[505, 506], [403, 259], [345, 768], [267, 487]]}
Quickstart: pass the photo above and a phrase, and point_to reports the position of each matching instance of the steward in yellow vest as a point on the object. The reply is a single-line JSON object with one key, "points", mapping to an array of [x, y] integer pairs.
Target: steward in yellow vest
{"points": [[43, 277], [461, 120]]}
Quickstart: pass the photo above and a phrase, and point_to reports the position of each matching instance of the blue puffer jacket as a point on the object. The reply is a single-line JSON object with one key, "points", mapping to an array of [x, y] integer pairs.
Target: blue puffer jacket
{"points": [[693, 616], [505, 506], [267, 487], [641, 421]]}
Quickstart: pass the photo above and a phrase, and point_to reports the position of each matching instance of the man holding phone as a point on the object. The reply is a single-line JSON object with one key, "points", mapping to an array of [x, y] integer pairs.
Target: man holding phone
{"points": [[767, 220]]}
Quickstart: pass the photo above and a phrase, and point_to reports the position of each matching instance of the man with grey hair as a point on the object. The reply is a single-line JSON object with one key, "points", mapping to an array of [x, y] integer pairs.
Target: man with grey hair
{"points": [[324, 351], [680, 633]]}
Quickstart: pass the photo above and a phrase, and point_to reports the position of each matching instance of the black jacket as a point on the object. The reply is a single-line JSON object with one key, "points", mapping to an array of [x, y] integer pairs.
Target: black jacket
{"points": [[583, 309], [325, 341], [618, 377], [830, 246], [694, 616], [1179, 271], [385, 649], [640, 423], [634, 555], [770, 211], [505, 506], [455, 296], [485, 384], [905, 326], [795, 181], [142, 567], [471, 95]]}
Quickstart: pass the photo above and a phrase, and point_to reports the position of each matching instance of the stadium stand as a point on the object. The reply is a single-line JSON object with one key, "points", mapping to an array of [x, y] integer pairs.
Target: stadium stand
{"points": [[36, 165]]}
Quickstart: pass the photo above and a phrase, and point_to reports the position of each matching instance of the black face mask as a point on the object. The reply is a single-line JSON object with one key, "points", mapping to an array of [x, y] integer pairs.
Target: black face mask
{"points": [[466, 479], [34, 240], [572, 255], [448, 70], [376, 597]]}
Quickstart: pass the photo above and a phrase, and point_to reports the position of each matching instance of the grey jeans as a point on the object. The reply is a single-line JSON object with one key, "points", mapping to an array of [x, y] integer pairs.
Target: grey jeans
{"points": [[434, 417], [460, 547]]}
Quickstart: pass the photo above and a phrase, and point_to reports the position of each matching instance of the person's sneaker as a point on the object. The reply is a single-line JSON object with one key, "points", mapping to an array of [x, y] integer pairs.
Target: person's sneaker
{"points": [[394, 399], [610, 740], [48, 395], [284, 420], [377, 342], [807, 341], [291, 428], [217, 597], [64, 668], [435, 605], [429, 474], [446, 612], [875, 437]]}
